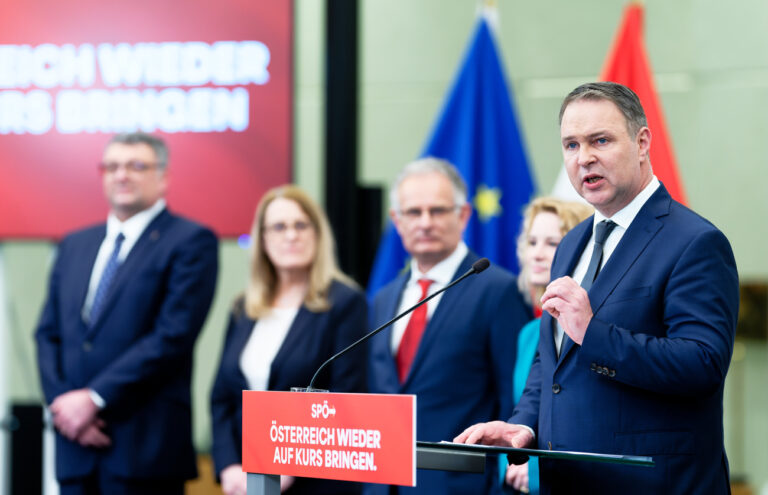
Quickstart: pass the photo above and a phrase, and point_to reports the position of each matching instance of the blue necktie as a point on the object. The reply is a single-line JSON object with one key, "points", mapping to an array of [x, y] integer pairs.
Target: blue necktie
{"points": [[106, 280]]}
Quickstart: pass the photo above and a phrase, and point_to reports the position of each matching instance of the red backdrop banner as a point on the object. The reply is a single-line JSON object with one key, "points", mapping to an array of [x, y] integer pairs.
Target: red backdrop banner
{"points": [[214, 79]]}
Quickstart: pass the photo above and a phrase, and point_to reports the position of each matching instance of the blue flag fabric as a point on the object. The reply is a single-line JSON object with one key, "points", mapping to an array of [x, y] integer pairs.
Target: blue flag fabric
{"points": [[477, 131]]}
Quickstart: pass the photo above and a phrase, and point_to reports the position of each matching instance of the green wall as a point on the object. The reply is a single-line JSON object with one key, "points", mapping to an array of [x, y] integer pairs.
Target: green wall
{"points": [[711, 65]]}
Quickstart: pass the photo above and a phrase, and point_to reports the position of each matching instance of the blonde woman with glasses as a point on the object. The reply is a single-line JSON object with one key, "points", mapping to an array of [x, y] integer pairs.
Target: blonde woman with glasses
{"points": [[297, 311]]}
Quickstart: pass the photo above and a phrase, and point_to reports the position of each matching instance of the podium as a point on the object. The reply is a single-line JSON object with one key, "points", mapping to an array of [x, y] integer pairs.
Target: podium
{"points": [[465, 459], [427, 457], [368, 438]]}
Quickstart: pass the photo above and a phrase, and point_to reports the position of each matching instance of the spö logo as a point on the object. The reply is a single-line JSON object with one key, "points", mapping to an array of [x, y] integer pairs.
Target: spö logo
{"points": [[323, 410]]}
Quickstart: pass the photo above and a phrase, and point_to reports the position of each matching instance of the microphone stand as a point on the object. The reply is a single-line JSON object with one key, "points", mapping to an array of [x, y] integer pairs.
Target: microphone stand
{"points": [[477, 267]]}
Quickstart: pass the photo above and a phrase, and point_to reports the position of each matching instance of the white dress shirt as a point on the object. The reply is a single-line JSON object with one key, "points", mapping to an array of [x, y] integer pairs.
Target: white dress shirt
{"points": [[265, 341], [132, 229], [623, 219], [441, 275]]}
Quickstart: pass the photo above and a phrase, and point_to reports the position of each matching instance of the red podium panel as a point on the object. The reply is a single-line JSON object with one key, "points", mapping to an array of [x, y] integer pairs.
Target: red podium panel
{"points": [[354, 437]]}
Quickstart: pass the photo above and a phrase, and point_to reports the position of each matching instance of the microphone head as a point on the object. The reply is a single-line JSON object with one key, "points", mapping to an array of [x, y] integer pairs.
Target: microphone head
{"points": [[480, 265]]}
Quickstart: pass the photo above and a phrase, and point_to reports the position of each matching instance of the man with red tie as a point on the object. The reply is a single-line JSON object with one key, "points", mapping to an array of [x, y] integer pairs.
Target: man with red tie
{"points": [[455, 353]]}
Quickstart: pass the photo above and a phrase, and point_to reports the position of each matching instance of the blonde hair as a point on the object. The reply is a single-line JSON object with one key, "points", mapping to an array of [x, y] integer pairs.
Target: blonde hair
{"points": [[262, 283], [570, 213]]}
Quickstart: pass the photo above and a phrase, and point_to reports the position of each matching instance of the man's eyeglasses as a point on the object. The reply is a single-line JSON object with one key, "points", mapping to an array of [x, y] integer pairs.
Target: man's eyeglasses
{"points": [[131, 166], [435, 212], [282, 228]]}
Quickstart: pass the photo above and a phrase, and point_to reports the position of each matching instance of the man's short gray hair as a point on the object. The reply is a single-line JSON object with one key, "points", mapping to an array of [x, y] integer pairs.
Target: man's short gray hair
{"points": [[154, 142], [425, 166]]}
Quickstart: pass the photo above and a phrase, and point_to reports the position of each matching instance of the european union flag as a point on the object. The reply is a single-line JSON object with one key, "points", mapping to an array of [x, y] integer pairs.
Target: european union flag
{"points": [[477, 131]]}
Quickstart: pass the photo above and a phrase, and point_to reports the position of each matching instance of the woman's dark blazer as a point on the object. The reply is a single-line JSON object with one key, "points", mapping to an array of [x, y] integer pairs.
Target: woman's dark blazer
{"points": [[312, 338]]}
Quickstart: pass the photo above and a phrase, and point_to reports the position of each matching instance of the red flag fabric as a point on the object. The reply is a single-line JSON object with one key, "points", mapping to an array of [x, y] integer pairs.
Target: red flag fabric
{"points": [[627, 64]]}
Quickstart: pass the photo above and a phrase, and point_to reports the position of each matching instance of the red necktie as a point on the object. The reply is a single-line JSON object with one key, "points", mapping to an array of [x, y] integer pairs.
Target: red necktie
{"points": [[412, 335]]}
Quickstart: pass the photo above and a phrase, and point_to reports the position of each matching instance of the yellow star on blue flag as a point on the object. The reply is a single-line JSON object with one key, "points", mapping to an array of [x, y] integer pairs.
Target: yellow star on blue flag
{"points": [[487, 202]]}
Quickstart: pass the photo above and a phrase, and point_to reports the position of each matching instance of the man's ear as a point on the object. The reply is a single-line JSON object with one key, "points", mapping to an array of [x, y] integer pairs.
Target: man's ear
{"points": [[643, 140], [465, 212], [395, 219]]}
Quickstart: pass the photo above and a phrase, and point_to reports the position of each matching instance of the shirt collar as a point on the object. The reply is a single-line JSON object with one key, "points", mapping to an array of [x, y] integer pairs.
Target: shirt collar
{"points": [[133, 227], [624, 217], [443, 272]]}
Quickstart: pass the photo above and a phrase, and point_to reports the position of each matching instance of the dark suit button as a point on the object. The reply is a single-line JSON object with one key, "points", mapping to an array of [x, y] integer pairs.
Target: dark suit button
{"points": [[87, 346], [593, 366], [612, 373], [555, 388]]}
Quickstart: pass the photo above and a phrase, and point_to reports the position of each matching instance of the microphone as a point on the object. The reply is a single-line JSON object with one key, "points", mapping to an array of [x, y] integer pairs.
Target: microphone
{"points": [[477, 267]]}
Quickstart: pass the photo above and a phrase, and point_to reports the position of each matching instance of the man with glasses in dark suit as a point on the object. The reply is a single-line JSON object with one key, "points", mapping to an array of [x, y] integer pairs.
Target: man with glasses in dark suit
{"points": [[126, 302], [456, 352]]}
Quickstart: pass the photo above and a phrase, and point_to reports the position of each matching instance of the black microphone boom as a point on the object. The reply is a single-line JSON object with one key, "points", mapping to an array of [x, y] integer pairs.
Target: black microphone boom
{"points": [[477, 267]]}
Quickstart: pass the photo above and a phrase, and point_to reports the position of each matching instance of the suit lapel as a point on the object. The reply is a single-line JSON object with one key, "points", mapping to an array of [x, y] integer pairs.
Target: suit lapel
{"points": [[392, 299], [450, 299], [582, 234], [84, 260], [243, 330], [301, 324], [643, 228], [390, 305], [137, 257]]}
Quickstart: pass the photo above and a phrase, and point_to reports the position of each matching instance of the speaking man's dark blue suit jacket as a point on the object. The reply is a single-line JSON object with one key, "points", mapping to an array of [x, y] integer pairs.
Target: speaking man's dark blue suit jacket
{"points": [[138, 354], [462, 372], [648, 378], [312, 339]]}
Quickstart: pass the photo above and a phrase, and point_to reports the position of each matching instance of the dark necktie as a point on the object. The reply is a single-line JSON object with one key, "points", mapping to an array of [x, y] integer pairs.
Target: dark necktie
{"points": [[602, 231], [409, 344], [106, 279]]}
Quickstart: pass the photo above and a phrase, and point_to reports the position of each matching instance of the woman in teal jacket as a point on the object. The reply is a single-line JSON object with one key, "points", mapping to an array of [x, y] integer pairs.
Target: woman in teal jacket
{"points": [[546, 221]]}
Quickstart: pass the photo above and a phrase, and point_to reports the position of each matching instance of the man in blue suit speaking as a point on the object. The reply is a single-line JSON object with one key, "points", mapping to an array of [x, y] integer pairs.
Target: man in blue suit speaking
{"points": [[455, 353], [126, 302], [639, 322]]}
